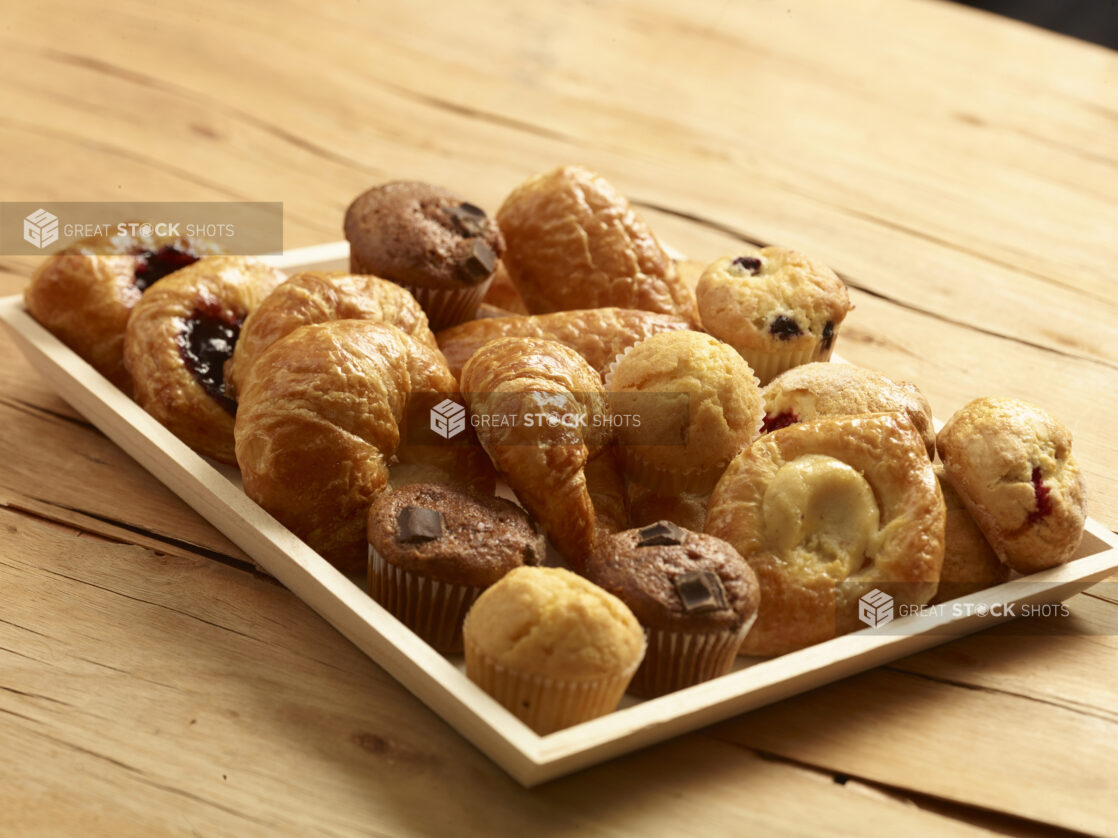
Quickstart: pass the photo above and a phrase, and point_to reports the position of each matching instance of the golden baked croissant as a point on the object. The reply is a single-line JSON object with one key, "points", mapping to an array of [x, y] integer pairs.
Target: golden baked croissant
{"points": [[541, 414], [319, 420], [573, 242], [317, 297], [597, 334]]}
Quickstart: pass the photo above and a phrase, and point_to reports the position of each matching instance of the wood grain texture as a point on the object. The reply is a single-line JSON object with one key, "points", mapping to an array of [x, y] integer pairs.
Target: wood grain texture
{"points": [[958, 171]]}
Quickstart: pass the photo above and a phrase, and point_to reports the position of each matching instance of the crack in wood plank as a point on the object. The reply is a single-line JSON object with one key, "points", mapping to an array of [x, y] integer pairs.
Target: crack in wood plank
{"points": [[729, 230], [22, 655], [153, 83], [170, 541], [89, 752], [477, 114], [20, 716], [35, 695], [35, 410], [1107, 599], [1074, 707], [25, 628], [143, 601], [143, 778], [127, 672], [995, 820]]}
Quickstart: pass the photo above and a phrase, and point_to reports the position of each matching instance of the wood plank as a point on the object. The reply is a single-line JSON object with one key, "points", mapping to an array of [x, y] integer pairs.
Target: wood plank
{"points": [[210, 700], [955, 168], [986, 722], [82, 478]]}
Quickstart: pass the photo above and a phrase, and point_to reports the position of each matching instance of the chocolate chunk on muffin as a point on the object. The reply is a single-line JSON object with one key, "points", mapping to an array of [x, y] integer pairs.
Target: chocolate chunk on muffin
{"points": [[694, 594], [440, 247], [433, 550]]}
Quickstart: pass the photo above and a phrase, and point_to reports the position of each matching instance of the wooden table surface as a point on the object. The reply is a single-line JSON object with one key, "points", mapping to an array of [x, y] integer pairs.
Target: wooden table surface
{"points": [[957, 169]]}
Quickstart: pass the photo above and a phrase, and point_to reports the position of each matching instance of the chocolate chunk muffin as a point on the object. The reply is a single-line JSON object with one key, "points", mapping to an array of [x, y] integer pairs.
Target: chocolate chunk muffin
{"points": [[443, 249], [433, 550], [694, 593]]}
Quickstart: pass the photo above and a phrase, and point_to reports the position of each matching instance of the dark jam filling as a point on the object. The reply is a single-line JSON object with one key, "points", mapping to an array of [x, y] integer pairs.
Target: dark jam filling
{"points": [[784, 327], [1043, 501], [774, 422], [206, 343], [153, 265]]}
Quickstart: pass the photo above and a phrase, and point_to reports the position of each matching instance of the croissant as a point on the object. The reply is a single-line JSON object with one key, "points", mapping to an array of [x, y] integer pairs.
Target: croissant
{"points": [[541, 414], [322, 413], [597, 334], [317, 297], [573, 242]]}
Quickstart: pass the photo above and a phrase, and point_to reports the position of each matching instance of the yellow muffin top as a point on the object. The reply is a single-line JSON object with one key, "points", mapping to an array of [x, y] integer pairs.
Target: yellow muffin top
{"points": [[552, 622], [707, 388]]}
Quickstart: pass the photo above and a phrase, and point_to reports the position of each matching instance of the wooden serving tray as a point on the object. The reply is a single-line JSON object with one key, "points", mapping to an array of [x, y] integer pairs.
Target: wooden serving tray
{"points": [[439, 681]]}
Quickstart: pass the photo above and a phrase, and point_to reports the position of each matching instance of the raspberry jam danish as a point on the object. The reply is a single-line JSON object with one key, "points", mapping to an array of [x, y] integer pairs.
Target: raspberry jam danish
{"points": [[180, 335], [84, 294]]}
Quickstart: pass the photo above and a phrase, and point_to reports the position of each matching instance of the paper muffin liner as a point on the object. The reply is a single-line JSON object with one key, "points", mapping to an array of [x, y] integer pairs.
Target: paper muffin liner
{"points": [[432, 609], [546, 704], [678, 659], [611, 367], [446, 307], [665, 480], [768, 364]]}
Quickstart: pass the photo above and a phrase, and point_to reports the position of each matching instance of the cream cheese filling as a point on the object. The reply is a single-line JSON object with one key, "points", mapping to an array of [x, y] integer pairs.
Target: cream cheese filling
{"points": [[821, 516]]}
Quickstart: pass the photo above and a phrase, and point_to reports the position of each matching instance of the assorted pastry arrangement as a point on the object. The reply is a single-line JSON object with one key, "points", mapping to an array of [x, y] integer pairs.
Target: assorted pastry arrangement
{"points": [[764, 492]]}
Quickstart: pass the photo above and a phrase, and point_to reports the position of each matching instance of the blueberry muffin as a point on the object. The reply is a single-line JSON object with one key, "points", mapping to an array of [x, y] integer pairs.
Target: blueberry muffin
{"points": [[777, 307]]}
